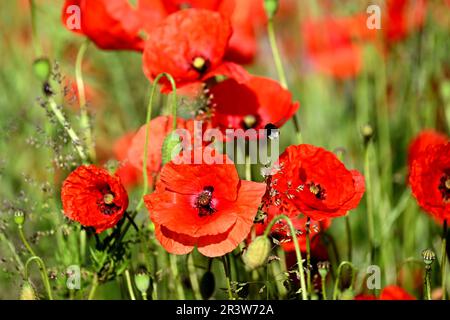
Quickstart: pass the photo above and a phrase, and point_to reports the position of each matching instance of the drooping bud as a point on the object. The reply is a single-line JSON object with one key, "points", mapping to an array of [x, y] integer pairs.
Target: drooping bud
{"points": [[271, 7], [19, 218], [171, 147], [27, 292], [257, 252], [42, 69], [207, 285]]}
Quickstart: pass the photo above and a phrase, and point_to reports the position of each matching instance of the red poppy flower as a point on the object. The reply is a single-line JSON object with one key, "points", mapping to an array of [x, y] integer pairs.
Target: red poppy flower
{"points": [[94, 198], [365, 297], [316, 183], [430, 180], [129, 175], [330, 48], [190, 45], [203, 205], [395, 293], [251, 105], [422, 141], [110, 24], [403, 17]]}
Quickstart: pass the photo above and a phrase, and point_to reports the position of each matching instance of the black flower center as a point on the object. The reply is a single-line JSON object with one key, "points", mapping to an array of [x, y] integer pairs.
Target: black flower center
{"points": [[200, 64], [203, 203], [106, 203], [317, 190], [444, 186]]}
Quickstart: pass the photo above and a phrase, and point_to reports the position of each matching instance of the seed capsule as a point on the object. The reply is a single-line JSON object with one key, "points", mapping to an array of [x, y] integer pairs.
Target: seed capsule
{"points": [[428, 256]]}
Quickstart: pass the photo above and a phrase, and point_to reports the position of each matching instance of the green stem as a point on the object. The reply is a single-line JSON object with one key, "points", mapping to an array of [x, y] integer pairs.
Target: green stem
{"points": [[193, 277], [428, 282], [297, 250], [369, 201], [308, 255], [248, 168], [84, 115], [68, 128], [147, 134], [36, 44], [338, 277], [43, 272], [25, 241], [348, 230], [324, 289], [93, 287], [176, 277], [444, 260], [129, 285], [280, 70], [228, 277]]}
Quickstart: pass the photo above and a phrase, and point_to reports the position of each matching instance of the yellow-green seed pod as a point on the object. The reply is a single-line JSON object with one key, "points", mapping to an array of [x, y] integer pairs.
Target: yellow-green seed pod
{"points": [[27, 292], [271, 7], [171, 146], [207, 285], [19, 218], [142, 281], [42, 69], [347, 294], [257, 252]]}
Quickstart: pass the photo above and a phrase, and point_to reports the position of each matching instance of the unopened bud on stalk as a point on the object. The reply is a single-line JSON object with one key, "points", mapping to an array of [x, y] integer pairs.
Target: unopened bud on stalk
{"points": [[27, 292], [323, 267], [428, 256], [257, 252], [347, 294], [171, 145], [367, 133], [19, 218], [142, 281], [271, 7], [207, 285], [42, 69]]}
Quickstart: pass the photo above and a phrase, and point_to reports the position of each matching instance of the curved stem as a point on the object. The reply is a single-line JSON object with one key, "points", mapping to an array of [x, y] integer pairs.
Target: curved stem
{"points": [[43, 272], [129, 285], [297, 249], [444, 260], [84, 116], [147, 134], [25, 241], [93, 287], [338, 277]]}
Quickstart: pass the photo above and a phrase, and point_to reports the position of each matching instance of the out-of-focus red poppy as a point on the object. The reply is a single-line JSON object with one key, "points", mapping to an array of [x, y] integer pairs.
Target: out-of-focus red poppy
{"points": [[110, 24], [190, 45], [129, 174], [395, 293], [71, 94], [403, 17], [316, 183], [421, 142], [251, 105], [201, 205], [330, 48], [94, 198], [365, 297], [430, 180]]}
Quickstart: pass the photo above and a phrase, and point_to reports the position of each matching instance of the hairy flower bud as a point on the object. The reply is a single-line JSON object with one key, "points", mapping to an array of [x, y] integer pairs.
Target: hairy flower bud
{"points": [[207, 285], [257, 252], [170, 147], [42, 69], [27, 292], [142, 281]]}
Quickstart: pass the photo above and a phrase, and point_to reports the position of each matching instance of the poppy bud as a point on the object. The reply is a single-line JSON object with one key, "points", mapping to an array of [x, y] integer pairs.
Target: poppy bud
{"points": [[19, 218], [428, 256], [27, 292], [257, 252], [207, 285], [171, 143], [42, 69], [347, 294], [367, 133], [142, 281], [323, 268], [271, 7]]}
